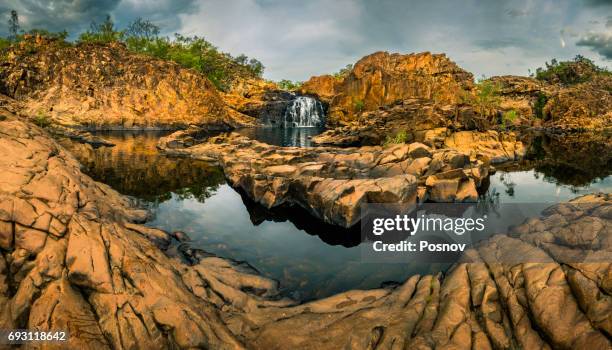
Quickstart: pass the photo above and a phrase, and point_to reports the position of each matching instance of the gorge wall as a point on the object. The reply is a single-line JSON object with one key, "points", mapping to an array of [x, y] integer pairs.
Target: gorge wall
{"points": [[382, 78], [105, 86]]}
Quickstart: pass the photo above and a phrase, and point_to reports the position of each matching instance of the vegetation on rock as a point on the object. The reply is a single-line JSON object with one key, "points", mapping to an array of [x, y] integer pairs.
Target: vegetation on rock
{"points": [[578, 70], [286, 84], [142, 36]]}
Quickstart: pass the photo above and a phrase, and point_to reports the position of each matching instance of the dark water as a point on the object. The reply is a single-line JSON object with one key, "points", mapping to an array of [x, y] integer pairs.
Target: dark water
{"points": [[310, 259], [283, 136]]}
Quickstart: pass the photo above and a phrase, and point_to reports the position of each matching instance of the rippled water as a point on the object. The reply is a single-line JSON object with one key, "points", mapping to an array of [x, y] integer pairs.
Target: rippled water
{"points": [[310, 259]]}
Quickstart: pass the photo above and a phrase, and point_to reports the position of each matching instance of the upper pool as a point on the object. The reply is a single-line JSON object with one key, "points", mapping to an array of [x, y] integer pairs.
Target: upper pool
{"points": [[310, 259]]}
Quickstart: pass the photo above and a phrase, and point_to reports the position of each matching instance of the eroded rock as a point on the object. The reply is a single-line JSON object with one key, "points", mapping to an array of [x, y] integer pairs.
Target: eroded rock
{"points": [[333, 183]]}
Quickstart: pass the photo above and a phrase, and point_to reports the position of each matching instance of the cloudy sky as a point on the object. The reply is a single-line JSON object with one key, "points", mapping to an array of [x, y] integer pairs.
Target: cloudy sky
{"points": [[301, 38]]}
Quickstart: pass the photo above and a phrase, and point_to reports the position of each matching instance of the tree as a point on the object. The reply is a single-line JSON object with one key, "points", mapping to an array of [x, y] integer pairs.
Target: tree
{"points": [[142, 29], [104, 32], [13, 24]]}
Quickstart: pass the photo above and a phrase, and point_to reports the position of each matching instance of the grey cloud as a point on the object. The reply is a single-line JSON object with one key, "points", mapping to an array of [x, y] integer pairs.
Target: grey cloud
{"points": [[598, 42], [609, 22], [164, 13], [498, 43], [71, 15], [76, 16]]}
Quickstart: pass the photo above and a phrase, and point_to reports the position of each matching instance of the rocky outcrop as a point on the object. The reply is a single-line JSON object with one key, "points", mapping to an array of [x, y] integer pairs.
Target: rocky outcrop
{"points": [[584, 106], [494, 146], [381, 79], [259, 99], [520, 94], [106, 86], [417, 119], [575, 107], [333, 183], [71, 259], [323, 87]]}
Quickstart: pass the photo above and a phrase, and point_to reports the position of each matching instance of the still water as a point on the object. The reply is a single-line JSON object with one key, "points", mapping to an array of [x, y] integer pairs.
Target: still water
{"points": [[310, 259]]}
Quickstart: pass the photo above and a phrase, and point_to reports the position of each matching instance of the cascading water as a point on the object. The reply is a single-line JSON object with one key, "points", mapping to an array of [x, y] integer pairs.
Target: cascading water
{"points": [[304, 111]]}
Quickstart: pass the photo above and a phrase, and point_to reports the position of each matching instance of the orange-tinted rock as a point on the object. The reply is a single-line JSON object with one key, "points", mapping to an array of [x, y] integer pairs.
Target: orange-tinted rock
{"points": [[106, 86], [381, 78]]}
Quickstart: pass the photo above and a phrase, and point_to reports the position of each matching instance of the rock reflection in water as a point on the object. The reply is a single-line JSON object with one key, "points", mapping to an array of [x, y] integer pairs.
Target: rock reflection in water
{"points": [[283, 136], [134, 167], [310, 259]]}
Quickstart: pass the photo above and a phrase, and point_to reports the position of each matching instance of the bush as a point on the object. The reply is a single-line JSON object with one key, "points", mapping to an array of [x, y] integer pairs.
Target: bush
{"points": [[42, 120], [508, 118], [487, 96], [344, 72], [358, 106], [539, 105], [289, 85], [102, 33], [578, 70], [142, 36], [400, 137]]}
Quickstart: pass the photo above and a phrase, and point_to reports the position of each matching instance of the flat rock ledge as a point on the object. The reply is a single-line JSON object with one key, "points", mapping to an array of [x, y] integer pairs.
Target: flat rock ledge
{"points": [[72, 258], [333, 183]]}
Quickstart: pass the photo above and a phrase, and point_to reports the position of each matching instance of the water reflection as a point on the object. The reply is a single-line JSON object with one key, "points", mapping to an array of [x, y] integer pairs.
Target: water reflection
{"points": [[135, 168], [283, 136], [309, 258]]}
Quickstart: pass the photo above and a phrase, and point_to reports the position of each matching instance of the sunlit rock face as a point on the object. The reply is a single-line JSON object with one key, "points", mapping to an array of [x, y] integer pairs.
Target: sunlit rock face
{"points": [[382, 78], [106, 87]]}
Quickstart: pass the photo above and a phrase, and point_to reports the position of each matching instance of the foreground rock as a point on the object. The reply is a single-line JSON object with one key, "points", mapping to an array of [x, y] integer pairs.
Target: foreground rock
{"points": [[333, 183], [71, 259], [106, 87]]}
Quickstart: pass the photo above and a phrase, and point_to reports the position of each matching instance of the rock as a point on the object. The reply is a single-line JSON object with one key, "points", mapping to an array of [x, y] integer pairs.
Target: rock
{"points": [[382, 78], [106, 87], [259, 99], [525, 289], [419, 150], [333, 183], [498, 147], [324, 87]]}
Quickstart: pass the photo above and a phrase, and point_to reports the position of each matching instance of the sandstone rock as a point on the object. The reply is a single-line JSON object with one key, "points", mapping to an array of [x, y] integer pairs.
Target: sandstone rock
{"points": [[381, 78], [498, 147], [105, 86], [333, 183], [110, 287]]}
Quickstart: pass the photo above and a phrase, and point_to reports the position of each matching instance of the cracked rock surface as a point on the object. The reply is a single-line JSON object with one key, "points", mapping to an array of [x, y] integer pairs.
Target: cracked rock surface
{"points": [[333, 183], [73, 257]]}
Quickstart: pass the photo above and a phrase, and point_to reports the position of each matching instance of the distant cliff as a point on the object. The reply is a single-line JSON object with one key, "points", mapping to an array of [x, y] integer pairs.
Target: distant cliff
{"points": [[106, 86], [382, 78]]}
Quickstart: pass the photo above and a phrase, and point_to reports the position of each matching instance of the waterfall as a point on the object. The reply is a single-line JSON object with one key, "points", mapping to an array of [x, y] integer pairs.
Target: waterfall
{"points": [[304, 111]]}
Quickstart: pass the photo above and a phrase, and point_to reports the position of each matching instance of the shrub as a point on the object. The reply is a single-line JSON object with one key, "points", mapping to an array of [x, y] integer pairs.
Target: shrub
{"points": [[358, 106], [508, 118], [102, 33], [487, 96], [400, 137], [344, 72], [578, 70], [289, 85], [42, 120], [539, 105]]}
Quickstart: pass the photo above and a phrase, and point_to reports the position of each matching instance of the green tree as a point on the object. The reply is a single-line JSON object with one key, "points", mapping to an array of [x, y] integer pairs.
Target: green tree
{"points": [[575, 71], [104, 32], [13, 25]]}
